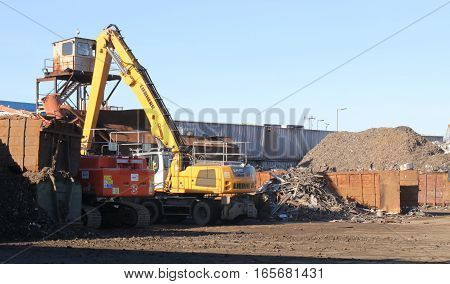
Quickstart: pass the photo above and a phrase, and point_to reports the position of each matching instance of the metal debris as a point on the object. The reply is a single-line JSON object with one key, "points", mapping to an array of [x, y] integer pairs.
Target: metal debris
{"points": [[302, 195]]}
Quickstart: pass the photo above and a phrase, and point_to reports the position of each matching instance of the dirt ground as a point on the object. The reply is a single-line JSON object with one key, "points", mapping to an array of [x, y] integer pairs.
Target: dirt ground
{"points": [[419, 239]]}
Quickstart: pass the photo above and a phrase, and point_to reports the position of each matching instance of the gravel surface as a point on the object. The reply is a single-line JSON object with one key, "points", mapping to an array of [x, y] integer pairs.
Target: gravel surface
{"points": [[376, 149], [423, 239]]}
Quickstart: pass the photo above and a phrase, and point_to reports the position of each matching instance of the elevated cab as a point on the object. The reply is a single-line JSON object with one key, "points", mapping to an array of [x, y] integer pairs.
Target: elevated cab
{"points": [[76, 54]]}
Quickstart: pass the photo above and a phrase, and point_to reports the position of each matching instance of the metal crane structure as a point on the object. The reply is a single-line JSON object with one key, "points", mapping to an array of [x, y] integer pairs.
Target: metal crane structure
{"points": [[206, 189], [67, 76]]}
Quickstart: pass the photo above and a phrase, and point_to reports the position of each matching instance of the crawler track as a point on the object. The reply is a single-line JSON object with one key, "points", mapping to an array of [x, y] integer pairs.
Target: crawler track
{"points": [[143, 215]]}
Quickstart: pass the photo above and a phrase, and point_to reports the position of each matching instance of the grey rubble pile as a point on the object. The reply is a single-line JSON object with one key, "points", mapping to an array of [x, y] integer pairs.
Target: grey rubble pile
{"points": [[304, 196], [376, 149]]}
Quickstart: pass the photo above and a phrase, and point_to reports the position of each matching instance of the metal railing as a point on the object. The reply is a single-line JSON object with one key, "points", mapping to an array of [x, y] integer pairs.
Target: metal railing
{"points": [[114, 145], [139, 145], [219, 152], [48, 65]]}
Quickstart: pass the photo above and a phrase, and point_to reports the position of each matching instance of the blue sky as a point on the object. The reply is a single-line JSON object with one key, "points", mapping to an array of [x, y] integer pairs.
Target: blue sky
{"points": [[240, 54]]}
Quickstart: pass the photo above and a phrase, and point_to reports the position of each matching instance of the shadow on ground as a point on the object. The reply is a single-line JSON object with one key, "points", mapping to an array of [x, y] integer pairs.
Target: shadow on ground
{"points": [[80, 232], [438, 213], [89, 256], [157, 230]]}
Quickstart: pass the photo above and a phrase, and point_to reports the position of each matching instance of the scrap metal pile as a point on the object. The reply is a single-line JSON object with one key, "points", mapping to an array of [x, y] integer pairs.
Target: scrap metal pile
{"points": [[20, 215], [376, 149], [304, 196]]}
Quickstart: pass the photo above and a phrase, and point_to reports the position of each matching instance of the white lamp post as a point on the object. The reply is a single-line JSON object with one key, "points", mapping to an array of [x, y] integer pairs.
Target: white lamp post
{"points": [[337, 117]]}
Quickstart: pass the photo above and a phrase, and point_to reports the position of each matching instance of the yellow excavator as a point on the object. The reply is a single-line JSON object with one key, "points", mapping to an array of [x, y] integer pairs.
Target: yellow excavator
{"points": [[204, 189]]}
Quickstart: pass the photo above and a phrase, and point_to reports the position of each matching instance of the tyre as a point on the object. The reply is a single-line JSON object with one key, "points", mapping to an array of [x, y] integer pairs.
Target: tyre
{"points": [[128, 216], [154, 208], [91, 217], [205, 212]]}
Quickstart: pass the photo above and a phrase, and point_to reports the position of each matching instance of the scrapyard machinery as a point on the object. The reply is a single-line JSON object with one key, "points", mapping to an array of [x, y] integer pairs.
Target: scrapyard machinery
{"points": [[167, 181]]}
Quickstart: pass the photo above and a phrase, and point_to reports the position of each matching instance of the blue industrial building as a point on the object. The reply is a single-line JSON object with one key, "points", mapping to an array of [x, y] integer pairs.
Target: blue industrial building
{"points": [[19, 105]]}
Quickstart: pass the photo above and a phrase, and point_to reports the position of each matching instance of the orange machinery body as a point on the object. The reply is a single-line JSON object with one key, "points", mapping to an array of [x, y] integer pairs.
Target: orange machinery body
{"points": [[111, 176]]}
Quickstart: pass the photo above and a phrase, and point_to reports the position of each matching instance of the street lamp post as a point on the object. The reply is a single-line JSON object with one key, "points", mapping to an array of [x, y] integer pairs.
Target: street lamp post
{"points": [[319, 120], [310, 118], [326, 126], [337, 117], [317, 132]]}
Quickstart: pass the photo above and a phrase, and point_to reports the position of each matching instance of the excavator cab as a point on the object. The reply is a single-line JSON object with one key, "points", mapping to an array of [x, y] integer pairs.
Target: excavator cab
{"points": [[159, 163]]}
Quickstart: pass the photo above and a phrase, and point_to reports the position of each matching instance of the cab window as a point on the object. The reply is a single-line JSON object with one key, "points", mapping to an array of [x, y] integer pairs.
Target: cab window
{"points": [[83, 49], [166, 161], [153, 162], [67, 48]]}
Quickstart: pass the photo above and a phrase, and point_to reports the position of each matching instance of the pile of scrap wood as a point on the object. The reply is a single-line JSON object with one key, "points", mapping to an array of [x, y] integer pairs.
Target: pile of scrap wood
{"points": [[303, 195]]}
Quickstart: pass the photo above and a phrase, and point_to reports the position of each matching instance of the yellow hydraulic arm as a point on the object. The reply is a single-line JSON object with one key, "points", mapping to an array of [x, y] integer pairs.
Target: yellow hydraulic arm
{"points": [[111, 46]]}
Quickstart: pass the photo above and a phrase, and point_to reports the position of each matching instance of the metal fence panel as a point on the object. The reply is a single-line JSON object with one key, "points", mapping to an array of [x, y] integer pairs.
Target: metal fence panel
{"points": [[434, 138], [270, 146], [238, 133]]}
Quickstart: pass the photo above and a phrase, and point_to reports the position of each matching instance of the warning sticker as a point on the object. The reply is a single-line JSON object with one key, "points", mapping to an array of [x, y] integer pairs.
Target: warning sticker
{"points": [[115, 190], [134, 177], [107, 181], [84, 174], [134, 189]]}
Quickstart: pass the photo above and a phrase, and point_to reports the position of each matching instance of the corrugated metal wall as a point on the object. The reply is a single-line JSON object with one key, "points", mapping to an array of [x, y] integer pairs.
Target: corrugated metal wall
{"points": [[269, 146], [434, 138]]}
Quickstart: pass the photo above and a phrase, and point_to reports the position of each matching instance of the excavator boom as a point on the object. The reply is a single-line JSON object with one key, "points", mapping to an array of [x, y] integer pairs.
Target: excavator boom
{"points": [[111, 46]]}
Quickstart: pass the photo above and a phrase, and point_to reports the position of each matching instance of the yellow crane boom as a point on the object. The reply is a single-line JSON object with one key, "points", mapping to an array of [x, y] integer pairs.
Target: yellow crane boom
{"points": [[110, 45]]}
